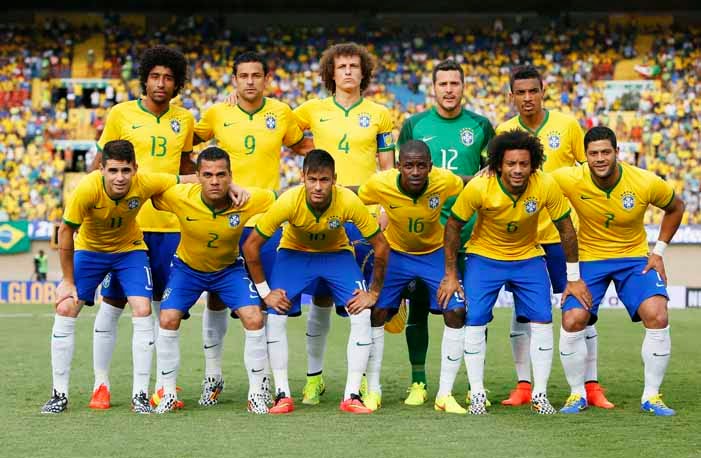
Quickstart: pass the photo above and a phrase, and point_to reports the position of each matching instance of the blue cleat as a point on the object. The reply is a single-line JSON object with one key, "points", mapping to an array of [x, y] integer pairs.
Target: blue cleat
{"points": [[656, 406], [574, 404]]}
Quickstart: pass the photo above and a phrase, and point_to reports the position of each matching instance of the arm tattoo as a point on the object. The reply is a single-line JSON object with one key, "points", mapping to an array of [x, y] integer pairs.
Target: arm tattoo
{"points": [[568, 238], [451, 241]]}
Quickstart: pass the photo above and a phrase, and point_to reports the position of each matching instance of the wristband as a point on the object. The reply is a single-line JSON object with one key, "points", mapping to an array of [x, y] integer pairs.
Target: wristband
{"points": [[263, 289], [573, 271], [659, 248]]}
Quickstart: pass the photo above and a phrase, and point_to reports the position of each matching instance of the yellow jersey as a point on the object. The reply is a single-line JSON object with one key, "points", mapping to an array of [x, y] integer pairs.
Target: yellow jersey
{"points": [[353, 136], [563, 144], [107, 225], [159, 142], [313, 232], [414, 222], [507, 225], [253, 140], [209, 239], [611, 221]]}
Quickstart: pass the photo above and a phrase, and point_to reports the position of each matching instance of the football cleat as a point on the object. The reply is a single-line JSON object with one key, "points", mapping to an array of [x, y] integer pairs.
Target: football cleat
{"points": [[478, 403], [158, 394], [283, 404], [140, 403], [100, 398], [656, 406], [417, 394], [398, 322], [313, 389], [211, 389], [373, 401], [354, 404], [257, 404], [520, 396], [541, 405], [169, 403], [265, 389], [448, 404], [596, 396], [574, 404], [363, 391], [468, 396], [57, 404]]}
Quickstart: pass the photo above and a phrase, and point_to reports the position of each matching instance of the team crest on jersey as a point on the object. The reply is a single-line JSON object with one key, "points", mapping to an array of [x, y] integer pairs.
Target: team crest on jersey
{"points": [[133, 203], [531, 205], [270, 121], [554, 140], [334, 222], [175, 125], [628, 200], [364, 120], [467, 137], [234, 220], [434, 201]]}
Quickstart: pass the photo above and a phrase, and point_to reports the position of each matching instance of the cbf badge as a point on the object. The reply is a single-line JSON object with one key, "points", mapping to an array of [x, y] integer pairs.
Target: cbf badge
{"points": [[133, 203], [234, 220], [270, 121], [628, 200], [175, 125], [531, 205], [364, 120], [467, 137], [434, 201], [554, 140], [334, 223]]}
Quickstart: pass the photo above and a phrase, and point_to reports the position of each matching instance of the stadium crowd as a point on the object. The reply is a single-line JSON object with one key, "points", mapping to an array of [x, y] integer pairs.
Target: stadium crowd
{"points": [[34, 110]]}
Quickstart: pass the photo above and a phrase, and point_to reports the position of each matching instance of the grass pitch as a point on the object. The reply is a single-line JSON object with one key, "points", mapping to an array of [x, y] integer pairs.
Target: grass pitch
{"points": [[324, 431]]}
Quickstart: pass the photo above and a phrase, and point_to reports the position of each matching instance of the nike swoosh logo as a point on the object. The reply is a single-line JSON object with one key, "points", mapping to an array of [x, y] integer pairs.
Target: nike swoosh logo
{"points": [[151, 343], [567, 354], [359, 344], [585, 197], [516, 334], [273, 341], [309, 335], [95, 207], [256, 371], [472, 352], [60, 337], [190, 219], [451, 359], [207, 347], [545, 349], [101, 330], [324, 119], [136, 126], [490, 209], [664, 354], [592, 337], [166, 373], [394, 206], [428, 139], [659, 285], [227, 124]]}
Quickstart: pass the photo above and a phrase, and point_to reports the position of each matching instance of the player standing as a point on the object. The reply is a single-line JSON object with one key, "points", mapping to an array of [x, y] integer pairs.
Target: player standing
{"points": [[457, 137], [315, 249], [503, 249], [207, 259], [105, 206], [561, 137], [252, 131], [358, 134], [611, 199]]}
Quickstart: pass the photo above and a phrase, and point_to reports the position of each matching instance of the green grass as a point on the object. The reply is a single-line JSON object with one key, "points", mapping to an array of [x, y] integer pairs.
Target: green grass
{"points": [[396, 430]]}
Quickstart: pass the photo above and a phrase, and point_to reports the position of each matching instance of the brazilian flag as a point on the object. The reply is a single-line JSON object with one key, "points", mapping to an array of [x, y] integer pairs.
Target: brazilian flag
{"points": [[14, 237]]}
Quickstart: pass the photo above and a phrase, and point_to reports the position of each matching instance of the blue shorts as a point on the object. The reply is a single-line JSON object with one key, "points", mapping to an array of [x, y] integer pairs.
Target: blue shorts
{"points": [[527, 279], [161, 248], [232, 284], [130, 268], [300, 271], [403, 268], [631, 285], [267, 252], [557, 266]]}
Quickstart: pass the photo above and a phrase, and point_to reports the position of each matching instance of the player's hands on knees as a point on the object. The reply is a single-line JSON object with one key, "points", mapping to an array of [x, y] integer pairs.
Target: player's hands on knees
{"points": [[65, 290], [232, 99], [655, 262], [278, 301], [580, 291], [449, 286], [361, 300], [239, 196]]}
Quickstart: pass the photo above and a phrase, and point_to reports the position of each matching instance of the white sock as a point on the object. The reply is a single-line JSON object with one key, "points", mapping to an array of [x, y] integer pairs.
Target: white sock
{"points": [[255, 355], [62, 345], [520, 337], [168, 358], [656, 351], [541, 356], [475, 353], [214, 326], [358, 351], [318, 325], [592, 343], [377, 350], [276, 335], [451, 358], [142, 352], [573, 354], [103, 341]]}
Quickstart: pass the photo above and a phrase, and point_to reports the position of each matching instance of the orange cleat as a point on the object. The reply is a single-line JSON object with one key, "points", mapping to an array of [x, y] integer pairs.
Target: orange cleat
{"points": [[596, 396], [354, 405], [100, 398], [282, 404], [156, 398], [520, 396]]}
